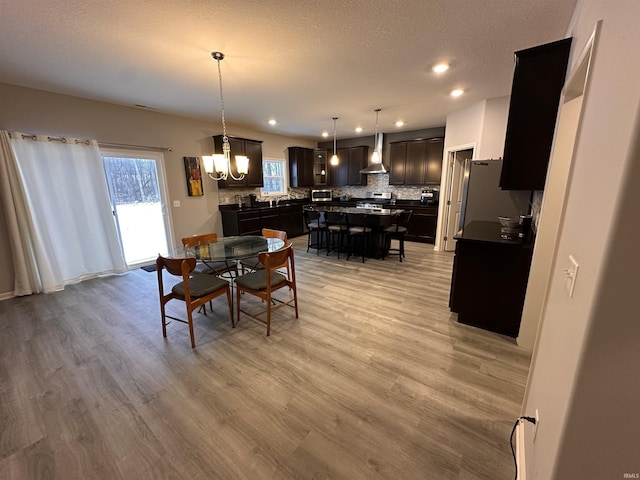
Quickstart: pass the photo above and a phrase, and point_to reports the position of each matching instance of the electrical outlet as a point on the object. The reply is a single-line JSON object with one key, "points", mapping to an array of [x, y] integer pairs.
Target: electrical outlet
{"points": [[536, 425], [176, 203]]}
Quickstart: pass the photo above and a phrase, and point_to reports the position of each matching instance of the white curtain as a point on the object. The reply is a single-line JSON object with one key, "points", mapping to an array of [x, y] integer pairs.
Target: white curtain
{"points": [[65, 214]]}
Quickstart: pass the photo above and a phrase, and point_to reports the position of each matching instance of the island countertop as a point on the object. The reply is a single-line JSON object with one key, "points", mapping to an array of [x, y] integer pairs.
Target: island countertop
{"points": [[362, 211]]}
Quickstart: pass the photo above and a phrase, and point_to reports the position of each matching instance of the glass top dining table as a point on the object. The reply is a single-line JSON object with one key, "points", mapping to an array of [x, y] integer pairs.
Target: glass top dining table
{"points": [[229, 248]]}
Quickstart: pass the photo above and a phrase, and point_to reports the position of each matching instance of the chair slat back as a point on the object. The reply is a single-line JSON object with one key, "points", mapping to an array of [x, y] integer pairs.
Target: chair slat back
{"points": [[270, 233], [404, 218], [277, 259], [199, 239], [175, 266]]}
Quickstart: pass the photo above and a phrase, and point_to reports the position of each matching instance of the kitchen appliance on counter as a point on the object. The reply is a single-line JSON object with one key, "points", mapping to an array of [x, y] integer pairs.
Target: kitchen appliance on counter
{"points": [[430, 196], [321, 195], [375, 200], [484, 200], [250, 200]]}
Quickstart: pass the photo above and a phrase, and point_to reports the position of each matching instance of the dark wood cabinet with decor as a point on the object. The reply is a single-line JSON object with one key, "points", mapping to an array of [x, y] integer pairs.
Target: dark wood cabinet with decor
{"points": [[320, 167], [416, 162], [347, 172], [535, 94], [423, 223], [301, 167], [489, 281], [251, 221], [242, 146]]}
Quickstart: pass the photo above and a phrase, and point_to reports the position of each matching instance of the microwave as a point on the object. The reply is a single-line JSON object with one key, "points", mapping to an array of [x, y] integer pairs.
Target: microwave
{"points": [[321, 196]]}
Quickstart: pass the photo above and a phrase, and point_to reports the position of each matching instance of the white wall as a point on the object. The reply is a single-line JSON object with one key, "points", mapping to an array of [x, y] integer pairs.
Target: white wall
{"points": [[494, 128], [36, 111], [483, 127], [586, 366]]}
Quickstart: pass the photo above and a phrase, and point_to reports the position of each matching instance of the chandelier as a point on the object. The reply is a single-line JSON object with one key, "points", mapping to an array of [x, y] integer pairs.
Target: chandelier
{"points": [[218, 165]]}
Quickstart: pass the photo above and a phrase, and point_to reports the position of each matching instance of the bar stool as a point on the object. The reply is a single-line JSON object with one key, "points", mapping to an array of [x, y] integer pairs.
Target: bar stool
{"points": [[397, 231], [336, 227], [317, 227], [357, 232]]}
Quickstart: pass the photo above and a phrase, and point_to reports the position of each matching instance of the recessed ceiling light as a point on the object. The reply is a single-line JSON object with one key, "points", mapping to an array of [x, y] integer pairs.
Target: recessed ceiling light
{"points": [[272, 121], [399, 123], [358, 129], [457, 92], [325, 134], [440, 67]]}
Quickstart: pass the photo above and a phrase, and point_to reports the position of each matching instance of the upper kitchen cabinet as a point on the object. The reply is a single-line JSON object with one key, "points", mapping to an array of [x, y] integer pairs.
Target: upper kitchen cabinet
{"points": [[320, 167], [301, 167], [351, 161], [242, 146], [416, 162], [535, 95]]}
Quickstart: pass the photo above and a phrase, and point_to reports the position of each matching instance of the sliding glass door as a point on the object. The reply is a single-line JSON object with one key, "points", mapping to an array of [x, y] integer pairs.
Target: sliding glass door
{"points": [[139, 202]]}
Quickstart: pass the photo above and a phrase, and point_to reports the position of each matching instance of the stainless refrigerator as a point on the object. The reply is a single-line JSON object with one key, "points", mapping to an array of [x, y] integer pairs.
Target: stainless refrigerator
{"points": [[483, 199]]}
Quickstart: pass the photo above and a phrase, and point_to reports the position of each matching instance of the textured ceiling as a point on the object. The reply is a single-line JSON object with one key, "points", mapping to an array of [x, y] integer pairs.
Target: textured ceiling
{"points": [[300, 62]]}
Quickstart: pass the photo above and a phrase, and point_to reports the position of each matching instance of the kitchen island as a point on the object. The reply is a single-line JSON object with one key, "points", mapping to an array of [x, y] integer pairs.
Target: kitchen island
{"points": [[376, 218]]}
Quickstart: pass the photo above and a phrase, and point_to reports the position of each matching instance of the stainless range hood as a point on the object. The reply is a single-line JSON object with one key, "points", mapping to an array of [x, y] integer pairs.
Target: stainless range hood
{"points": [[375, 168]]}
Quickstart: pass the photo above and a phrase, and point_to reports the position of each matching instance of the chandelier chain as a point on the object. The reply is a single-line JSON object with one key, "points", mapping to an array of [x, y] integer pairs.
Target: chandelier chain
{"points": [[224, 126]]}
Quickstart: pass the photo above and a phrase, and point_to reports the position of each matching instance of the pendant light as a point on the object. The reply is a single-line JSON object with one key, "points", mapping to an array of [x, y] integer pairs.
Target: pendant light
{"points": [[221, 163], [334, 159]]}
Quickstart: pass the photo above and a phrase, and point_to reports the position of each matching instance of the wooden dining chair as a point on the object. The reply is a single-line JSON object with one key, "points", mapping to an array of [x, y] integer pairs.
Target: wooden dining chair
{"points": [[253, 263], [262, 283], [219, 268], [194, 290]]}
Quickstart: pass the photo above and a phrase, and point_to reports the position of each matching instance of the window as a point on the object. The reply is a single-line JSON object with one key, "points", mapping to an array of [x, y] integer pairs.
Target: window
{"points": [[275, 178]]}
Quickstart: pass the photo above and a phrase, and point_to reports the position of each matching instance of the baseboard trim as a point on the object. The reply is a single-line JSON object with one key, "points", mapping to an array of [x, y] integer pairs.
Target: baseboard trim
{"points": [[520, 453], [6, 295]]}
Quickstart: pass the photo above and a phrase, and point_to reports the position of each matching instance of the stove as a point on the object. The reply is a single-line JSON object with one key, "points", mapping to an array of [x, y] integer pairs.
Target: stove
{"points": [[375, 200]]}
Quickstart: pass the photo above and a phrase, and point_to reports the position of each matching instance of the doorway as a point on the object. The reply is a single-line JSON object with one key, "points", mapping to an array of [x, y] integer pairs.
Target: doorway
{"points": [[138, 200], [456, 163]]}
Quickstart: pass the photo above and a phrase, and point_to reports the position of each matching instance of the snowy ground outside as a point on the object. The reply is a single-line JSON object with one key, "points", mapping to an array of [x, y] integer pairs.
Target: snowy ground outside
{"points": [[142, 231]]}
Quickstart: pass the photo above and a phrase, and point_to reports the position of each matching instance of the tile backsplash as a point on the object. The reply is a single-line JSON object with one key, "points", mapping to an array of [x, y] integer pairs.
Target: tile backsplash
{"points": [[375, 183]]}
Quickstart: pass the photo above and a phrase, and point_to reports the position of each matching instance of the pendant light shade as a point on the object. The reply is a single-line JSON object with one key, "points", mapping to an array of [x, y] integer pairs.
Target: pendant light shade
{"points": [[334, 159]]}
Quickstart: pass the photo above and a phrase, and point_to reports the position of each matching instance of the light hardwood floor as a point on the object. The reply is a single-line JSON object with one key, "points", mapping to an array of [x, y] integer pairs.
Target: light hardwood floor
{"points": [[375, 380]]}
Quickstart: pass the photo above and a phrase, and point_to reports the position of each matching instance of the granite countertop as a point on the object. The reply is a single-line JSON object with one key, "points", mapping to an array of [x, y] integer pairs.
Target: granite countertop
{"points": [[265, 205], [361, 211], [487, 232]]}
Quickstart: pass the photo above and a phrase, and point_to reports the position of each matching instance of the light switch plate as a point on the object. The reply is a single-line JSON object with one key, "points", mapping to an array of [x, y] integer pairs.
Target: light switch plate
{"points": [[570, 273], [176, 203]]}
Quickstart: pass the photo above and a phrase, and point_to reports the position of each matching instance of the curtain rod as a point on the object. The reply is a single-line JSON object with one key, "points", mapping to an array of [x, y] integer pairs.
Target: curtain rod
{"points": [[101, 144], [32, 136], [137, 147]]}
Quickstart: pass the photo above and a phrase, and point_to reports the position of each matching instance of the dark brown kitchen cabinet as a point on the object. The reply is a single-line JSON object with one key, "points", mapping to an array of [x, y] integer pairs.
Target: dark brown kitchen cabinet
{"points": [[351, 161], [435, 150], [242, 146], [538, 79], [252, 220], [301, 167], [416, 162], [423, 223], [319, 167], [489, 280], [291, 220]]}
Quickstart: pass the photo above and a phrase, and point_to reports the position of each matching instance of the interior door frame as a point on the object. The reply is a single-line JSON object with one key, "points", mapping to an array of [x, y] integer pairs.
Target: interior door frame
{"points": [[163, 186], [446, 187]]}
